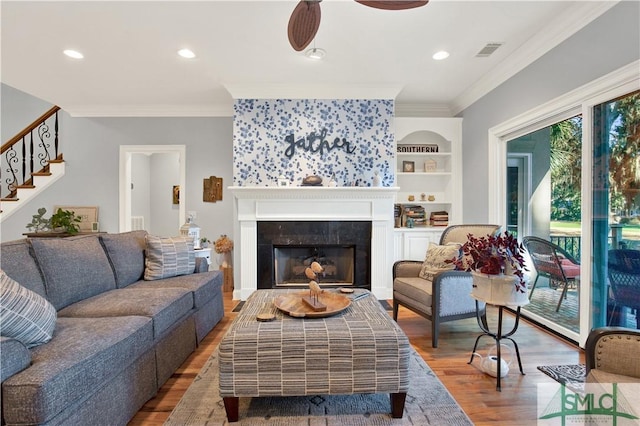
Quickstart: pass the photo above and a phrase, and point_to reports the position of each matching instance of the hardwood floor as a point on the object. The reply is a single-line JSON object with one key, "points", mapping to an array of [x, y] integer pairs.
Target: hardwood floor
{"points": [[475, 392]]}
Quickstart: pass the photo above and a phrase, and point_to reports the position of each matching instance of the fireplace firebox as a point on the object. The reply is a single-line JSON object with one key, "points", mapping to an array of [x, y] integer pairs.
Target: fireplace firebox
{"points": [[286, 248], [291, 263]]}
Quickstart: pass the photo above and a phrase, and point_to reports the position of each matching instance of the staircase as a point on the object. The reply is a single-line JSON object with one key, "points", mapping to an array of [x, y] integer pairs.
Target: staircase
{"points": [[30, 163]]}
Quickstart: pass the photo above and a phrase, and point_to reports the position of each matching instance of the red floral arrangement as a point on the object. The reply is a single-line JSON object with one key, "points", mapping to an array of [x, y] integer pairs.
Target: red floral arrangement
{"points": [[493, 255]]}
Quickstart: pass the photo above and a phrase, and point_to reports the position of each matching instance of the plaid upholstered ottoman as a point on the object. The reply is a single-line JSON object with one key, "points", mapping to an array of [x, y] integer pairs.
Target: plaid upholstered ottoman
{"points": [[360, 350]]}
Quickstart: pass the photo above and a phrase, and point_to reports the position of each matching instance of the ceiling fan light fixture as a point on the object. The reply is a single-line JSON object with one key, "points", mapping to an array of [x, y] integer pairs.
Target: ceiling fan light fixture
{"points": [[438, 56], [186, 53], [315, 53]]}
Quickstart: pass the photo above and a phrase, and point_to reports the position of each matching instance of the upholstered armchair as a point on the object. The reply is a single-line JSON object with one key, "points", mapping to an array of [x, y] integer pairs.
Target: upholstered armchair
{"points": [[611, 355], [447, 295]]}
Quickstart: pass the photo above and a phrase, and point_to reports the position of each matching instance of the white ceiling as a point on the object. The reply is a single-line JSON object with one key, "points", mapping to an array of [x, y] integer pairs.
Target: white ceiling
{"points": [[131, 67]]}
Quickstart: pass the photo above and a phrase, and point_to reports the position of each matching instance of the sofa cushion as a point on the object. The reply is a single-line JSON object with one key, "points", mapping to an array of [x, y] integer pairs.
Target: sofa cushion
{"points": [[166, 307], [204, 286], [73, 268], [16, 259], [25, 315], [126, 255], [436, 257], [15, 357], [414, 291], [168, 257], [84, 354]]}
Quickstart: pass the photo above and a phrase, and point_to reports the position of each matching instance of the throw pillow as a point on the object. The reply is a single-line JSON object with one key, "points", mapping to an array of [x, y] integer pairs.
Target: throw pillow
{"points": [[25, 315], [434, 261], [168, 257]]}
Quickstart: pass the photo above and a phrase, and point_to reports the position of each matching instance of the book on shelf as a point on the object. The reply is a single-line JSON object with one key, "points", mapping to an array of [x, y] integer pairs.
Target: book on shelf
{"points": [[416, 213], [439, 218]]}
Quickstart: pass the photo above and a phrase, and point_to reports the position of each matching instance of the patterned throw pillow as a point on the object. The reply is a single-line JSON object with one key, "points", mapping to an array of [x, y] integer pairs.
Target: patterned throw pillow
{"points": [[168, 257], [435, 259], [25, 315]]}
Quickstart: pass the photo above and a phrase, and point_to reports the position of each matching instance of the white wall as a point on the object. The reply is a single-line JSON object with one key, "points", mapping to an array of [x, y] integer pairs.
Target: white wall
{"points": [[164, 174], [608, 43], [140, 190]]}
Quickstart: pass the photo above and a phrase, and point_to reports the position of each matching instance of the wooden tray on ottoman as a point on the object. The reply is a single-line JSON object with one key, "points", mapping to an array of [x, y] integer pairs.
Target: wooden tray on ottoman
{"points": [[292, 304]]}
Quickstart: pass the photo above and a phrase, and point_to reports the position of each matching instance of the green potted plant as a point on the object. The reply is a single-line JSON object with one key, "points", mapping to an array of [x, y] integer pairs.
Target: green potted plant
{"points": [[39, 223], [204, 242], [65, 221]]}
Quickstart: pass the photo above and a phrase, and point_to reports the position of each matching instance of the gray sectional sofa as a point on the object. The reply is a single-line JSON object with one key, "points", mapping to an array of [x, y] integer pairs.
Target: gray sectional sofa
{"points": [[117, 336]]}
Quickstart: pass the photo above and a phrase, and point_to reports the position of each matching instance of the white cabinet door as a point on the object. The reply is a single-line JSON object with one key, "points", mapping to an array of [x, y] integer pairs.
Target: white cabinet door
{"points": [[412, 244], [415, 245]]}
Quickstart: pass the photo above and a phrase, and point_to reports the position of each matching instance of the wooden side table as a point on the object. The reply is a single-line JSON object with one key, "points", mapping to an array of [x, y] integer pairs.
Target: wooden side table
{"points": [[227, 284]]}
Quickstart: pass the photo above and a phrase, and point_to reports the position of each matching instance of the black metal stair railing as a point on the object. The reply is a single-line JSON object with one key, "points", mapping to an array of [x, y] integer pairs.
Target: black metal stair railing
{"points": [[29, 153]]}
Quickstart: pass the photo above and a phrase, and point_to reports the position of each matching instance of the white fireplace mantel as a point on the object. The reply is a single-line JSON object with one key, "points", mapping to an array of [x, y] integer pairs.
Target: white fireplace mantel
{"points": [[254, 204]]}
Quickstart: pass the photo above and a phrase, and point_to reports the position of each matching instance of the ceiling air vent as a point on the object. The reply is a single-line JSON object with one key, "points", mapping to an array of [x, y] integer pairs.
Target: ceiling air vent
{"points": [[488, 50]]}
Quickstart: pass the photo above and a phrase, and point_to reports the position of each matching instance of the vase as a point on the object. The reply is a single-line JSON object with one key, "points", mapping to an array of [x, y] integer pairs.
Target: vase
{"points": [[498, 290], [224, 260]]}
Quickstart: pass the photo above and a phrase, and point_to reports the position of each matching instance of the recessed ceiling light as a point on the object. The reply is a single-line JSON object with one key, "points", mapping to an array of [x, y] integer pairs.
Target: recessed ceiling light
{"points": [[186, 53], [73, 54], [315, 53], [438, 56]]}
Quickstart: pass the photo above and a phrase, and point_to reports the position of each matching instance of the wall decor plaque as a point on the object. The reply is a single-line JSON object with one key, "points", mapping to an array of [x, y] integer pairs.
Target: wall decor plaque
{"points": [[212, 189], [417, 149]]}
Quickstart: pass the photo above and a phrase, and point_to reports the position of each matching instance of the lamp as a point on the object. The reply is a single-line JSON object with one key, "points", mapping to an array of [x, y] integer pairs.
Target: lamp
{"points": [[190, 229]]}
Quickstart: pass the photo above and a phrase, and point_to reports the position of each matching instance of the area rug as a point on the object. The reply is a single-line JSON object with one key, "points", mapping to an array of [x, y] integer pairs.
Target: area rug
{"points": [[570, 375], [428, 403]]}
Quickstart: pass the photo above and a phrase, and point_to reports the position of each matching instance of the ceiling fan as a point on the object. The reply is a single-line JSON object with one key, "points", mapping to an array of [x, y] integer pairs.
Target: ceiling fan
{"points": [[305, 19]]}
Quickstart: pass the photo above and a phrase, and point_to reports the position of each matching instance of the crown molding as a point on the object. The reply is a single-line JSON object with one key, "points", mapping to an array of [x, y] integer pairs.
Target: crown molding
{"points": [[219, 110], [422, 110], [313, 91], [563, 26]]}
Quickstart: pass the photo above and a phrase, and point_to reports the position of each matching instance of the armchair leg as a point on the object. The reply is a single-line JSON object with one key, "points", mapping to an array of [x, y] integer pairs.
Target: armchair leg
{"points": [[434, 333], [395, 310], [534, 286], [563, 295]]}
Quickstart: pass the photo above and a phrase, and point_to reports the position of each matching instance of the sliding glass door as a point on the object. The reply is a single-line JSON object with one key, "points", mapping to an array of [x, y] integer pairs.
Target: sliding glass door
{"points": [[548, 206], [616, 212]]}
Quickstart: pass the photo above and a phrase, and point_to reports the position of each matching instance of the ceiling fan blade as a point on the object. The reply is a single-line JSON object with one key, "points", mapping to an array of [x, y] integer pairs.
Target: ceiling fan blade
{"points": [[304, 24], [392, 5]]}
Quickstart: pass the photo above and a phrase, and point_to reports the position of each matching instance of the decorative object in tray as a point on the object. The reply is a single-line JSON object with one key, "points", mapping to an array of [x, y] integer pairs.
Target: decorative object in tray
{"points": [[313, 304], [292, 304]]}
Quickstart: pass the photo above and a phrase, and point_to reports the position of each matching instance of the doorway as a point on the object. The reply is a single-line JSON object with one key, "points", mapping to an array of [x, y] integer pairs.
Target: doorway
{"points": [[130, 156]]}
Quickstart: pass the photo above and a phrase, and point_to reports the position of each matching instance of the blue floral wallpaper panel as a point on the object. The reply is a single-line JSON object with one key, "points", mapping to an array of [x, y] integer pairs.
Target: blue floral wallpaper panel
{"points": [[350, 139]]}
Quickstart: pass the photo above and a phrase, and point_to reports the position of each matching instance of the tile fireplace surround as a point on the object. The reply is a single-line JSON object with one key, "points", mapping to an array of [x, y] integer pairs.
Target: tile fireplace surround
{"points": [[254, 204]]}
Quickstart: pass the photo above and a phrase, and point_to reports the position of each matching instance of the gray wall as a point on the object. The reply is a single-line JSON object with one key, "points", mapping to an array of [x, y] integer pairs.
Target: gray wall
{"points": [[91, 152], [608, 43]]}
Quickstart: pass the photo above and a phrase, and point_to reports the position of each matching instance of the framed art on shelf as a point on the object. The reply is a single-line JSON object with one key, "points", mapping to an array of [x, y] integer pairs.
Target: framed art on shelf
{"points": [[408, 166], [88, 214]]}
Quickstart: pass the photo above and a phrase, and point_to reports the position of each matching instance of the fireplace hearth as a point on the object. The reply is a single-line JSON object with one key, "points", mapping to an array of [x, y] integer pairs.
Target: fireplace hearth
{"points": [[286, 248]]}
